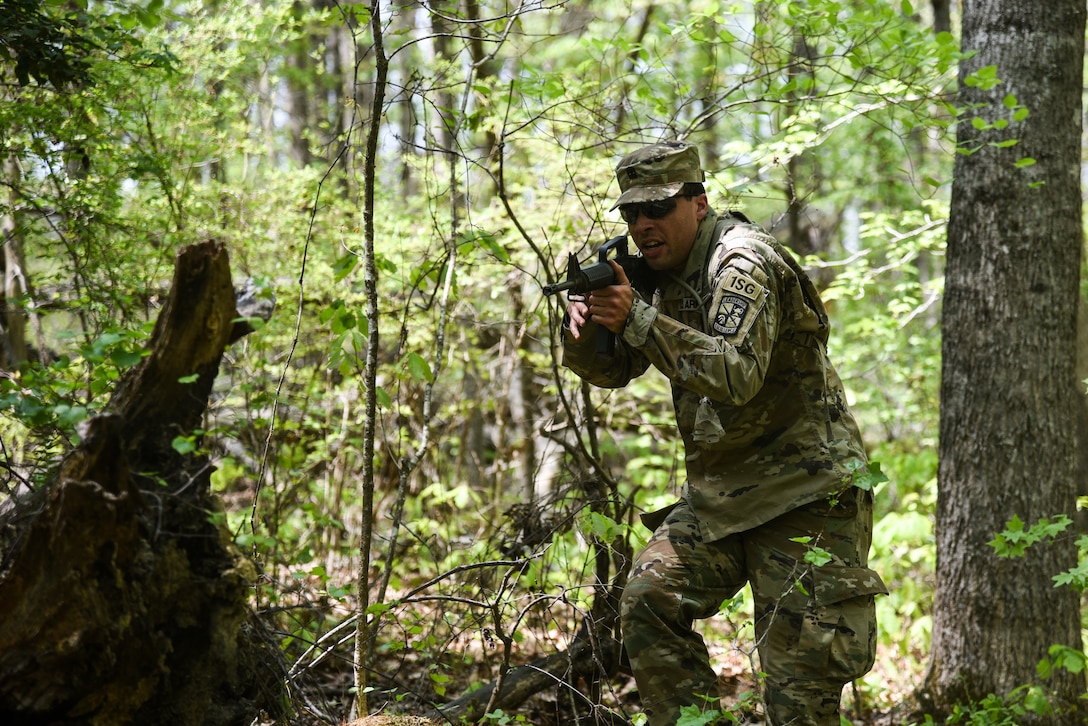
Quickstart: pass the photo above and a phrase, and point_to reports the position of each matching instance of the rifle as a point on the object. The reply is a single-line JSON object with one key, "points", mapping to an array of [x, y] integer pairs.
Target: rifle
{"points": [[581, 280]]}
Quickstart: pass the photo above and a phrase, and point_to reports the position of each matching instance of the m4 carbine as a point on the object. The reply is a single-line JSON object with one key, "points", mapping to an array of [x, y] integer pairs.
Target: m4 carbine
{"points": [[581, 280]]}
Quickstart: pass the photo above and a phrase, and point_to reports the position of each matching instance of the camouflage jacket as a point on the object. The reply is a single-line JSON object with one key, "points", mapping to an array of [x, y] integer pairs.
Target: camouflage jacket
{"points": [[742, 335]]}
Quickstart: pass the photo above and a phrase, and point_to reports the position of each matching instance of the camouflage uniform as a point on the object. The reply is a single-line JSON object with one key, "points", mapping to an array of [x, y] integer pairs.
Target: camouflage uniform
{"points": [[741, 333]]}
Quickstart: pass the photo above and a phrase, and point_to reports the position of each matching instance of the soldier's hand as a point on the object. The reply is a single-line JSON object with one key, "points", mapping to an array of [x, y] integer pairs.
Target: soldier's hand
{"points": [[611, 305], [578, 314]]}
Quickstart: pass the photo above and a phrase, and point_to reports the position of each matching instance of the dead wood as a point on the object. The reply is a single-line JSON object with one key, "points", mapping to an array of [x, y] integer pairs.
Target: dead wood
{"points": [[121, 602], [565, 670]]}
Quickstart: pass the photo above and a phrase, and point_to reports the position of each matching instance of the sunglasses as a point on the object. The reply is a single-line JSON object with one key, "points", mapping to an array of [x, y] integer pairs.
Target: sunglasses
{"points": [[653, 210]]}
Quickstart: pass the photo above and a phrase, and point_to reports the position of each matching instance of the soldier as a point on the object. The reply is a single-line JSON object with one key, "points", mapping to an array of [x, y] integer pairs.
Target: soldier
{"points": [[772, 452]]}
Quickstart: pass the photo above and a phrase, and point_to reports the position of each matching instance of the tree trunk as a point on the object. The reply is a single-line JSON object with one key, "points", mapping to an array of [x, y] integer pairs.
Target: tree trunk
{"points": [[1079, 394], [121, 601], [13, 344], [300, 90], [1008, 421]]}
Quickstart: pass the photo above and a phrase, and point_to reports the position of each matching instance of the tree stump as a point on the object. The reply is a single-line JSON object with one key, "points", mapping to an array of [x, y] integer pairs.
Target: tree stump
{"points": [[121, 601]]}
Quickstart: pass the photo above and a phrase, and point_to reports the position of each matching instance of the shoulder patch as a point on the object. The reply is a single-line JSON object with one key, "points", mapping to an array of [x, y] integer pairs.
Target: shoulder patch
{"points": [[742, 299]]}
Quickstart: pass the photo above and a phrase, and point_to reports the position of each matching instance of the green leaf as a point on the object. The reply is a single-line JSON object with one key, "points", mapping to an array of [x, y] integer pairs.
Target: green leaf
{"points": [[1016, 538], [344, 266], [380, 608], [68, 416], [419, 368], [1072, 660], [1024, 162], [818, 556], [383, 398], [603, 527], [495, 248], [984, 78], [865, 476], [184, 444], [694, 715], [1035, 700]]}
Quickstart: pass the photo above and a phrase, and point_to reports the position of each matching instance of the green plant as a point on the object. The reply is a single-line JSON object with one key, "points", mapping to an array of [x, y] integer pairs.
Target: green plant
{"points": [[997, 711], [705, 715]]}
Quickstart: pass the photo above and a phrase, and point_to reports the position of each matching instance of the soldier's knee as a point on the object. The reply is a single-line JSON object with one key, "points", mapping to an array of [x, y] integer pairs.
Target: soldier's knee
{"points": [[647, 597]]}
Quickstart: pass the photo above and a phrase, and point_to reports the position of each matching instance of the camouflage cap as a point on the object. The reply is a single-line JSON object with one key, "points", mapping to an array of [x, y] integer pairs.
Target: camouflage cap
{"points": [[658, 171]]}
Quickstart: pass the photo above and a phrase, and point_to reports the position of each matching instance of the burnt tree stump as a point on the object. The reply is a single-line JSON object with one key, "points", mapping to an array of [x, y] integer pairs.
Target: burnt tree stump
{"points": [[121, 601]]}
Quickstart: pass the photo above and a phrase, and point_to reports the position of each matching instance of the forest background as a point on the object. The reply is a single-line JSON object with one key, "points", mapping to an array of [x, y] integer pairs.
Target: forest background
{"points": [[399, 438]]}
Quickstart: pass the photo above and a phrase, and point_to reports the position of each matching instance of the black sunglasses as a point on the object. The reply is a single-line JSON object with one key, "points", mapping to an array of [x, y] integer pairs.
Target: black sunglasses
{"points": [[653, 210]]}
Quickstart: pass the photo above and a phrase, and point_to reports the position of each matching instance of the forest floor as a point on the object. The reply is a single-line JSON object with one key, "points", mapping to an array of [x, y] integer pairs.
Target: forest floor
{"points": [[401, 676]]}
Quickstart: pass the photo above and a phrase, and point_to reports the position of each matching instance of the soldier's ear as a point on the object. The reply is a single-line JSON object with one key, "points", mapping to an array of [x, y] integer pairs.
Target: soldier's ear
{"points": [[701, 206]]}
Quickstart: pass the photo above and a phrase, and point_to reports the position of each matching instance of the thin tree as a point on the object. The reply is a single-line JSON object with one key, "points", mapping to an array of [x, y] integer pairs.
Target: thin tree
{"points": [[370, 284], [1007, 422]]}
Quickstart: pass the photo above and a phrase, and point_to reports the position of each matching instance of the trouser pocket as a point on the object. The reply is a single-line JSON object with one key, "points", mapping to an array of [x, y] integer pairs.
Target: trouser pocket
{"points": [[837, 635]]}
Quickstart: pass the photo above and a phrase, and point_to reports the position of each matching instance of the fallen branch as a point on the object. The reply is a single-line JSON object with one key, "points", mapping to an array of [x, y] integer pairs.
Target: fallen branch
{"points": [[581, 662]]}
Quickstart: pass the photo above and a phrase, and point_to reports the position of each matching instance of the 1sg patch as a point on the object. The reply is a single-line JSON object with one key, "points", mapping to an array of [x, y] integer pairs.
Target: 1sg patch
{"points": [[742, 299]]}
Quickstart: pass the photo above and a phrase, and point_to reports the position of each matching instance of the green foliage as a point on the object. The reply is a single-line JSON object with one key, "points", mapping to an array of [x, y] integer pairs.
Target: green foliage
{"points": [[42, 405], [904, 553], [864, 476], [814, 554], [44, 46], [498, 716], [1064, 657], [992, 710], [706, 715], [192, 125], [1076, 577], [1017, 537]]}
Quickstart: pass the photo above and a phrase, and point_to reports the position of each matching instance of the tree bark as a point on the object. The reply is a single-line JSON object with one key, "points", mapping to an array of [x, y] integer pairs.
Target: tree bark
{"points": [[13, 345], [1008, 421], [942, 16], [120, 600], [1081, 396]]}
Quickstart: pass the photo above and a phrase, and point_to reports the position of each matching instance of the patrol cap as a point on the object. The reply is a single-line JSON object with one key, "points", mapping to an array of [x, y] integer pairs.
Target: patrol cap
{"points": [[658, 171]]}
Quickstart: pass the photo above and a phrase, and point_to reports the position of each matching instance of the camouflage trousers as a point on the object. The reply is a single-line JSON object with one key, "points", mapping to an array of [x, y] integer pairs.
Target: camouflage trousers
{"points": [[815, 626]]}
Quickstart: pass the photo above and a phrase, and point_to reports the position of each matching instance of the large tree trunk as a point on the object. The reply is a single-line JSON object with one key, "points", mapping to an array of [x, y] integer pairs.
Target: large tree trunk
{"points": [[121, 602], [1079, 393], [1008, 419]]}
